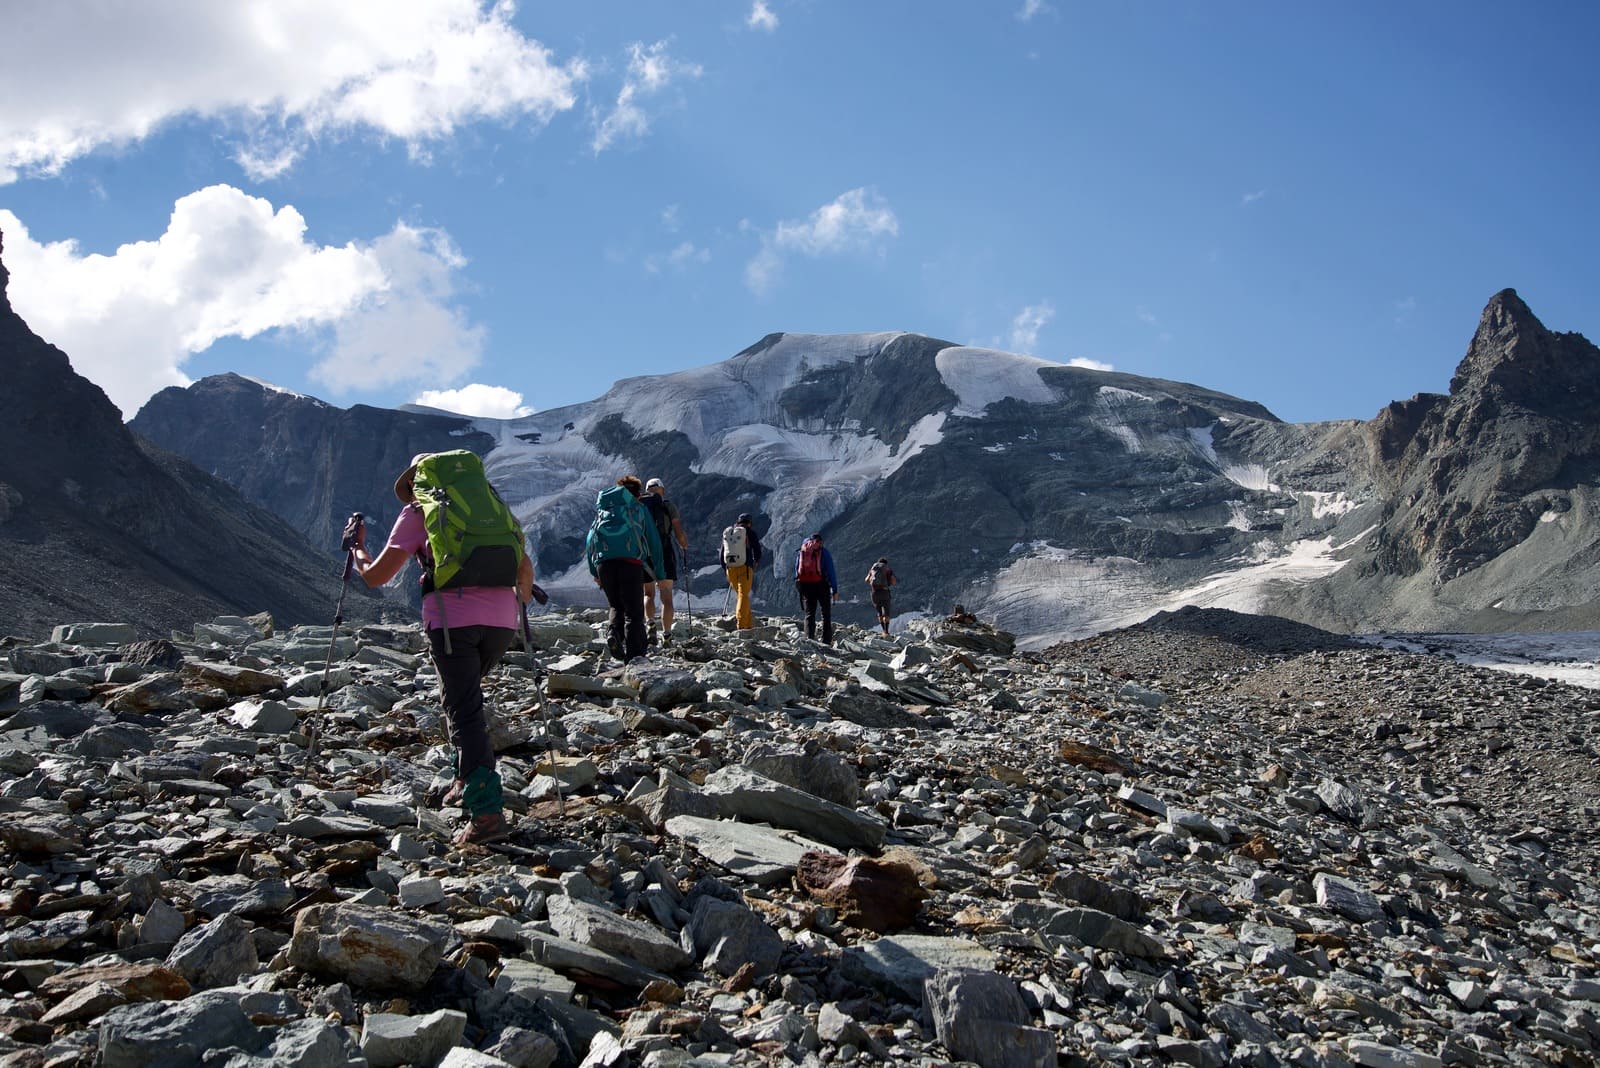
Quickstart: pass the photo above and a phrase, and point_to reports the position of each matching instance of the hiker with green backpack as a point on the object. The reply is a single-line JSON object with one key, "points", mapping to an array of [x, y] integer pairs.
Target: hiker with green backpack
{"points": [[623, 551], [476, 576]]}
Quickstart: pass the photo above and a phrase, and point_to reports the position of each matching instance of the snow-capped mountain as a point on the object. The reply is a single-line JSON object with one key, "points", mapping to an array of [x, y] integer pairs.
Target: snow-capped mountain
{"points": [[1058, 500]]}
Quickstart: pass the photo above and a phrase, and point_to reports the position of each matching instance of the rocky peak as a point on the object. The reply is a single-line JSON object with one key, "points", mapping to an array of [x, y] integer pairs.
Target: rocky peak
{"points": [[1516, 359]]}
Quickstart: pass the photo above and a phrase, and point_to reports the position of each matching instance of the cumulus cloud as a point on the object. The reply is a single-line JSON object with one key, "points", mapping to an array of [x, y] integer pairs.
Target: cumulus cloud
{"points": [[650, 72], [858, 221], [477, 399], [1093, 365], [1024, 337], [231, 265], [762, 17], [1031, 9], [278, 74]]}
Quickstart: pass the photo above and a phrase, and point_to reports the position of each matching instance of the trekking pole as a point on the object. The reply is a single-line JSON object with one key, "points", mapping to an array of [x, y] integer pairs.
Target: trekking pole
{"points": [[688, 579], [544, 713], [352, 526]]}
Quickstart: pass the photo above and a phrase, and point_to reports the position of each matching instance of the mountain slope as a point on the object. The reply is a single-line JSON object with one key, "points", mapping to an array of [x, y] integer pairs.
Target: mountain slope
{"points": [[96, 524], [1058, 500]]}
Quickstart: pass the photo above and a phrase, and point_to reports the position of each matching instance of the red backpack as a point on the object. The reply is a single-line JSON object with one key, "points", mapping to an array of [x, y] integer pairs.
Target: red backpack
{"points": [[810, 569]]}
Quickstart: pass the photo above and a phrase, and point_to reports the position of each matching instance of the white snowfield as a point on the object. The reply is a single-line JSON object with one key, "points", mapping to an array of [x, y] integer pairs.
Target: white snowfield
{"points": [[980, 377]]}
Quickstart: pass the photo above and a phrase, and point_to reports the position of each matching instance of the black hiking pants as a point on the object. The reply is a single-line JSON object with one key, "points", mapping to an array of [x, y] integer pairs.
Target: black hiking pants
{"points": [[813, 594], [474, 651], [622, 581]]}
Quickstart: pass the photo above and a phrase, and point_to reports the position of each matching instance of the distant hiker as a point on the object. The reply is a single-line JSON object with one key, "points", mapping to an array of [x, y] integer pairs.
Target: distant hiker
{"points": [[818, 584], [623, 552], [879, 579], [476, 575], [741, 555], [669, 528]]}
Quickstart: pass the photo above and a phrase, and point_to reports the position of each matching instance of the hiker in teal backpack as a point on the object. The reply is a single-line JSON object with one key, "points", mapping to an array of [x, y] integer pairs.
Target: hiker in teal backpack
{"points": [[472, 602], [623, 551]]}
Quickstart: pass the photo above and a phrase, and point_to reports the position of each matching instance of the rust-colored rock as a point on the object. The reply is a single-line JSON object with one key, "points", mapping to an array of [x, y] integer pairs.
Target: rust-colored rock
{"points": [[137, 982], [1259, 849], [1085, 755], [877, 895]]}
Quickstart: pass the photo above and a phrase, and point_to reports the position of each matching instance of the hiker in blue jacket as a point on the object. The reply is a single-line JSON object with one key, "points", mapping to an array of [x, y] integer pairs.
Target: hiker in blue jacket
{"points": [[818, 584], [624, 552]]}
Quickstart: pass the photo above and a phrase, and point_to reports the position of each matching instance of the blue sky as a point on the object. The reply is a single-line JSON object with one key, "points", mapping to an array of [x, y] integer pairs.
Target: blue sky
{"points": [[1304, 205]]}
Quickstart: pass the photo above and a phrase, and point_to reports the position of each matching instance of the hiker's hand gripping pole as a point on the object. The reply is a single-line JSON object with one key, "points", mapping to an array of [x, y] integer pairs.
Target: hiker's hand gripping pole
{"points": [[354, 537]]}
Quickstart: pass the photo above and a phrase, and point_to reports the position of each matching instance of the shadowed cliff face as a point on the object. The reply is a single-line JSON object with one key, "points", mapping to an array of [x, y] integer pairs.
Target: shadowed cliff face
{"points": [[96, 523], [1473, 473], [307, 461]]}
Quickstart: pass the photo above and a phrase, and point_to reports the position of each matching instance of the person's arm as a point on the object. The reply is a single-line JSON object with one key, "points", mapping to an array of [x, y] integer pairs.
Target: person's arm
{"points": [[377, 570], [831, 575]]}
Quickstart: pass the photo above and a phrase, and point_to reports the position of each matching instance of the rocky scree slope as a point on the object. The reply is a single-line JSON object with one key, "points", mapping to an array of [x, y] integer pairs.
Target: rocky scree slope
{"points": [[1183, 843], [95, 522]]}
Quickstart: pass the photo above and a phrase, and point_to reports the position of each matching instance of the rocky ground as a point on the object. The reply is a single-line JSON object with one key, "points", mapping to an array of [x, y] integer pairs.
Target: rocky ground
{"points": [[1208, 840]]}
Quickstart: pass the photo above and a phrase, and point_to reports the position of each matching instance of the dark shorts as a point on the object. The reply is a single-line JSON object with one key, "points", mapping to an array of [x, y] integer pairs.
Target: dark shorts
{"points": [[671, 568], [880, 600]]}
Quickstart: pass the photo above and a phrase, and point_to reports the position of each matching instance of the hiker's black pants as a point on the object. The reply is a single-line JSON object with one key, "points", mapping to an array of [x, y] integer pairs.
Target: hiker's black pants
{"points": [[474, 651], [813, 594], [622, 581]]}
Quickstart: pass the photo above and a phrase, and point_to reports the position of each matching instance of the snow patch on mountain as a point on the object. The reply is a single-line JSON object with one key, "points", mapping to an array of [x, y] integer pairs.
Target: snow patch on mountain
{"points": [[264, 384], [1245, 476], [980, 377]]}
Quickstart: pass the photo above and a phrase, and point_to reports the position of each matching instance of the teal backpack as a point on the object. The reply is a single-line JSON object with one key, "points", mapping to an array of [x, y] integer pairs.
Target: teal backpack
{"points": [[473, 537], [618, 531]]}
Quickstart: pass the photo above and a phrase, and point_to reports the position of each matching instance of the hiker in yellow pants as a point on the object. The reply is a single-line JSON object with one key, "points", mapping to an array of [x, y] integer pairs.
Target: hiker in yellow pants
{"points": [[741, 555]]}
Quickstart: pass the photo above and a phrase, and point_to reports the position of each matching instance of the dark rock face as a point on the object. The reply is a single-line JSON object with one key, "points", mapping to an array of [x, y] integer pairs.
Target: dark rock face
{"points": [[309, 462], [96, 523]]}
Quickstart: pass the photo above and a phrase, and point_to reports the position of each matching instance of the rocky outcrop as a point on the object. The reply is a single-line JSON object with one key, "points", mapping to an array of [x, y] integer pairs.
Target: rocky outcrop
{"points": [[96, 523]]}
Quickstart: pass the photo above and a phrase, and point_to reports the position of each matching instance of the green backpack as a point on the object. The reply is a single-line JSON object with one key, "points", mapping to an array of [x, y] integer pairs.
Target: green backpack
{"points": [[473, 538]]}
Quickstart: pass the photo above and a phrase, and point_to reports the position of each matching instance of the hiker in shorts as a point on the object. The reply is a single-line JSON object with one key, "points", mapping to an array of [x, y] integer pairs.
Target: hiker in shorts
{"points": [[623, 553], [818, 584], [670, 529], [879, 579], [741, 555], [469, 629]]}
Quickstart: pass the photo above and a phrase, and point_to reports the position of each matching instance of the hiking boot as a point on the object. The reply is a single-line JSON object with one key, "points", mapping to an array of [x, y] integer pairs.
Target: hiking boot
{"points": [[666, 637], [452, 796], [650, 639], [481, 830]]}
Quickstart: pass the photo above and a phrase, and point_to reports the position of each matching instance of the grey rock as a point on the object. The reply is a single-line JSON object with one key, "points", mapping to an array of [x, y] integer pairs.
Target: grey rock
{"points": [[366, 946], [761, 854], [94, 634], [264, 717], [174, 1034], [108, 741], [391, 1041], [1343, 802], [599, 927], [810, 768], [1346, 898], [215, 953], [744, 794], [302, 1044], [1090, 927], [665, 687], [525, 1049], [726, 935], [901, 963], [980, 1016]]}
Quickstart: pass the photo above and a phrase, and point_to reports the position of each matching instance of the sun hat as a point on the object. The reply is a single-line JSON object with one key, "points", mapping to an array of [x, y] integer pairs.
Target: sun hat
{"points": [[744, 517], [654, 483], [402, 485]]}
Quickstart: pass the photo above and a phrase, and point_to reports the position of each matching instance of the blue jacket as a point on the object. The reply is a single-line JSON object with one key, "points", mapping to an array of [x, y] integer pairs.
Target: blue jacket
{"points": [[827, 568]]}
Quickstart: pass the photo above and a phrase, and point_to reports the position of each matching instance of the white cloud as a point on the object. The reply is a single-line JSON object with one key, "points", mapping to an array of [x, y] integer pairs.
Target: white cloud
{"points": [[681, 258], [230, 265], [856, 221], [1025, 327], [409, 330], [1250, 198], [762, 17], [1032, 8], [1093, 365], [477, 399], [284, 72], [650, 71], [669, 219]]}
